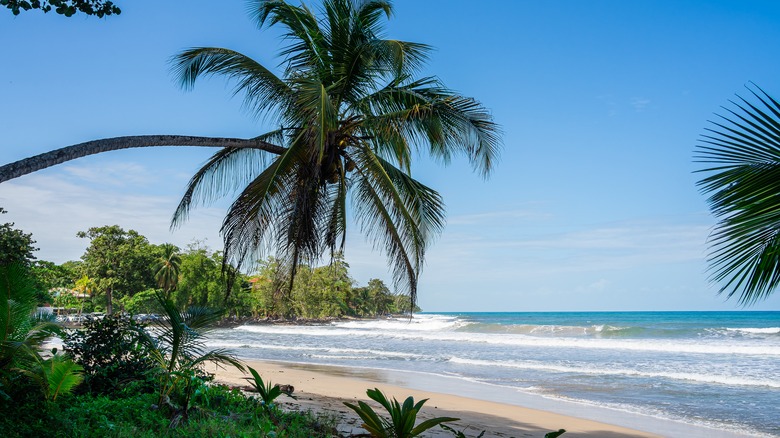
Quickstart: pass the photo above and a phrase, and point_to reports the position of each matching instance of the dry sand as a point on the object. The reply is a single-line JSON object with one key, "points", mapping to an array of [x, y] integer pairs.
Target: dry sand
{"points": [[324, 389]]}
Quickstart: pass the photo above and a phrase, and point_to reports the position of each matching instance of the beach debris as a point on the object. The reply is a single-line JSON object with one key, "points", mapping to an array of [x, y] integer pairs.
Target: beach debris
{"points": [[555, 434], [287, 389]]}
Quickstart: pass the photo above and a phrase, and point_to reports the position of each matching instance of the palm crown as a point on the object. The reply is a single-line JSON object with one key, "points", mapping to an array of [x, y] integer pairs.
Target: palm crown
{"points": [[350, 113]]}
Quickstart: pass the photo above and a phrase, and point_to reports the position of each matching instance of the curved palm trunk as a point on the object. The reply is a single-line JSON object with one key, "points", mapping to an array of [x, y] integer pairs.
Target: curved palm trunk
{"points": [[48, 159]]}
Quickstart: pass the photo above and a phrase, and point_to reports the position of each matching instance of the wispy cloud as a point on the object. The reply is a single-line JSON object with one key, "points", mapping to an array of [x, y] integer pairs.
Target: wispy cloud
{"points": [[639, 104], [596, 248], [116, 173], [497, 216], [611, 104]]}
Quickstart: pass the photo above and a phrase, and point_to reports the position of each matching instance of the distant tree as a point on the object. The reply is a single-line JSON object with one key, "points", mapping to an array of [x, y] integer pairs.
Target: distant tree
{"points": [[330, 286], [742, 150], [85, 286], [270, 289], [118, 261], [201, 280], [16, 246], [167, 268], [380, 297], [49, 275], [68, 8]]}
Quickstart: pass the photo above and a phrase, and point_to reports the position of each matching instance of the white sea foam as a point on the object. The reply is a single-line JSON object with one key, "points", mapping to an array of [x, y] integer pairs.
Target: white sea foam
{"points": [[420, 322], [693, 377], [367, 354], [686, 346], [756, 330]]}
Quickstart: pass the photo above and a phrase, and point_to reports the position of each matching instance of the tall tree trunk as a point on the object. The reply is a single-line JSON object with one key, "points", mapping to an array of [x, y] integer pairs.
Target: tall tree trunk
{"points": [[109, 301], [57, 156]]}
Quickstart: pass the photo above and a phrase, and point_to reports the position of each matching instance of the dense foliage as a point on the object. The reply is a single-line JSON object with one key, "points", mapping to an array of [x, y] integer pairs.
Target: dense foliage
{"points": [[22, 334], [122, 268]]}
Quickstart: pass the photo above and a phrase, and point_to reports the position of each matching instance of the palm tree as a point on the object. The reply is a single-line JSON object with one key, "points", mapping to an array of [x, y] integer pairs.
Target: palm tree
{"points": [[742, 149], [179, 347], [86, 286], [22, 335], [167, 268], [350, 112], [22, 331]]}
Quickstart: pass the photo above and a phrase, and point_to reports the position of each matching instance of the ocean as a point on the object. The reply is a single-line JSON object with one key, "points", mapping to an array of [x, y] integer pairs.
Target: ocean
{"points": [[716, 370]]}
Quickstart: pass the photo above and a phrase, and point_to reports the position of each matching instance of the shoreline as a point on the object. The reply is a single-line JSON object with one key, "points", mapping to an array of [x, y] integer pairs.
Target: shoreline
{"points": [[323, 389]]}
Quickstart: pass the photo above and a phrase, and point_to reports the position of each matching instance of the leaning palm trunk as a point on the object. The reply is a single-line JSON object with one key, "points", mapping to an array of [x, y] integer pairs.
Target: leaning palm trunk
{"points": [[58, 156]]}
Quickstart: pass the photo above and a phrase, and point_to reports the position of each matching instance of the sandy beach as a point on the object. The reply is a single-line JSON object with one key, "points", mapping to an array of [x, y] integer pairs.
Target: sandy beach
{"points": [[324, 389]]}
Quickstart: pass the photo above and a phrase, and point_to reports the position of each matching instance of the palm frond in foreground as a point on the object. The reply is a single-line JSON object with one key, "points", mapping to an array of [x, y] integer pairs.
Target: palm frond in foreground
{"points": [[742, 150]]}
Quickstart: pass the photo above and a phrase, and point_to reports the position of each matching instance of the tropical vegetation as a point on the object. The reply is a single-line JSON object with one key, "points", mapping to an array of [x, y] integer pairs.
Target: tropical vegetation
{"points": [[742, 152], [22, 334], [137, 382], [122, 270]]}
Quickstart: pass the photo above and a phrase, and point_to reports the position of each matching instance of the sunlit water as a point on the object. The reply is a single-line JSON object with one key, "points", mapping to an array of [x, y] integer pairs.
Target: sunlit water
{"points": [[716, 369]]}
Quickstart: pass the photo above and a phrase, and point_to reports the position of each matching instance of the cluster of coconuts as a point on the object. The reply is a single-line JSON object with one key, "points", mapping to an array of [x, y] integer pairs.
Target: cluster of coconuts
{"points": [[334, 169]]}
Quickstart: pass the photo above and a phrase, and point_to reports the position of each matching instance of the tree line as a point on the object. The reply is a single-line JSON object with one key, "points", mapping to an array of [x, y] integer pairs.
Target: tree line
{"points": [[122, 271]]}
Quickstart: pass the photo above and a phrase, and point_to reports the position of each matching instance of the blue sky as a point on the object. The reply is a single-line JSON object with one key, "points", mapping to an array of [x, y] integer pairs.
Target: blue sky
{"points": [[592, 207]]}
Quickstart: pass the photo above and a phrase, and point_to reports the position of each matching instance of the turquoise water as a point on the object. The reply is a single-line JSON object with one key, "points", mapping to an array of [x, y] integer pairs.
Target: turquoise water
{"points": [[715, 369]]}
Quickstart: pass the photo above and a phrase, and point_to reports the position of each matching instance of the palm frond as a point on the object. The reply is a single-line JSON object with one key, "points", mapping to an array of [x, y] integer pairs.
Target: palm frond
{"points": [[262, 90], [220, 357], [743, 184], [336, 231], [258, 209], [62, 375], [399, 215], [225, 172], [429, 114], [306, 50]]}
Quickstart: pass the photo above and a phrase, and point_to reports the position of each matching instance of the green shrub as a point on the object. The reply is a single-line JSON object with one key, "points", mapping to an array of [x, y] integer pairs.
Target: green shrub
{"points": [[114, 351]]}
